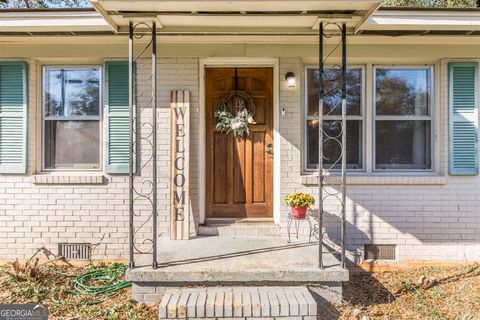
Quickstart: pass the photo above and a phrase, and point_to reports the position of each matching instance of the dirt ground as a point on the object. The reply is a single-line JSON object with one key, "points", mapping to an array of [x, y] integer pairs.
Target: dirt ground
{"points": [[423, 293]]}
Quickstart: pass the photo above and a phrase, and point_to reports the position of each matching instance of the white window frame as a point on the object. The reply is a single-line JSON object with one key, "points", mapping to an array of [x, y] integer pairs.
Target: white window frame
{"points": [[430, 117], [361, 117], [98, 118]]}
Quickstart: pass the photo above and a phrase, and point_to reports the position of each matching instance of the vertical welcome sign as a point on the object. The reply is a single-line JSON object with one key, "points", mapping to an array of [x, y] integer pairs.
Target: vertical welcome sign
{"points": [[179, 185]]}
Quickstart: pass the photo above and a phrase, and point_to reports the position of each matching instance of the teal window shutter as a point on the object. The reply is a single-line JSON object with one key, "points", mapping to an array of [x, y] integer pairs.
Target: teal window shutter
{"points": [[13, 117], [463, 118], [117, 117]]}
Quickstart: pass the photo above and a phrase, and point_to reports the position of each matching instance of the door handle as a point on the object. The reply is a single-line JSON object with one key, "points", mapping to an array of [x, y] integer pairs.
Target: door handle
{"points": [[269, 151]]}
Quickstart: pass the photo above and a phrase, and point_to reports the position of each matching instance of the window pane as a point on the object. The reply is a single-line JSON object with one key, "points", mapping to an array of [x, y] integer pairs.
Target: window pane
{"points": [[72, 144], [402, 91], [72, 92], [331, 148], [403, 145], [332, 103]]}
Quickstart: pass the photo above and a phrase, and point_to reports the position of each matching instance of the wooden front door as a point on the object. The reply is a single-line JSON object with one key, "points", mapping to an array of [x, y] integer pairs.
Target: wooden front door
{"points": [[239, 171]]}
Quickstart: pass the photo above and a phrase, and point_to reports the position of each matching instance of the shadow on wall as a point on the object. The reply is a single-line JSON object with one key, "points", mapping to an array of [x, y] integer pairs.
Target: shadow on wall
{"points": [[409, 222], [332, 228], [406, 215]]}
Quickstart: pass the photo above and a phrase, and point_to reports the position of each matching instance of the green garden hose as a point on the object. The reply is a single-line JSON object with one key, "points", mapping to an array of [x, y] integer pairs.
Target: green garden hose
{"points": [[101, 283]]}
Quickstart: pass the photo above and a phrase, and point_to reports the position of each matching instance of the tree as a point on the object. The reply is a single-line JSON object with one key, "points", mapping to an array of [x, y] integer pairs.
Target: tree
{"points": [[432, 3], [84, 3], [43, 3]]}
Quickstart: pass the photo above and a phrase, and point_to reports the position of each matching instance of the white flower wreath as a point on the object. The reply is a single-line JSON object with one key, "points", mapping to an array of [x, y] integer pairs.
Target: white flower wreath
{"points": [[236, 124]]}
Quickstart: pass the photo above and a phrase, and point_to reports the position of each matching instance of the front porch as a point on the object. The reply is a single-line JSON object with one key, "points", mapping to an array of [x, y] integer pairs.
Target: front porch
{"points": [[238, 176], [237, 261]]}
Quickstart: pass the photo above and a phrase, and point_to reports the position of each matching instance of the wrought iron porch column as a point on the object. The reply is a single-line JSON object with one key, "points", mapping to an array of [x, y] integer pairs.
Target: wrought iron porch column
{"points": [[130, 144], [154, 141], [344, 141], [142, 140], [320, 145], [325, 169]]}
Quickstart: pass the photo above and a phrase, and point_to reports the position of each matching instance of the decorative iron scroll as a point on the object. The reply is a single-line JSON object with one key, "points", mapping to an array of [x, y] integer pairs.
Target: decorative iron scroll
{"points": [[180, 154], [143, 143]]}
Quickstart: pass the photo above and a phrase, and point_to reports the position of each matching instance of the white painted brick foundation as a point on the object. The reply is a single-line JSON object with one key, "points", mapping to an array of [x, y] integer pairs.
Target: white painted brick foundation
{"points": [[430, 217]]}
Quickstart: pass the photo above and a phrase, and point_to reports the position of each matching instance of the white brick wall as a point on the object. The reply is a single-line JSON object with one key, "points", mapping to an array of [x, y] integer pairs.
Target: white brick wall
{"points": [[35, 215], [427, 219], [436, 220]]}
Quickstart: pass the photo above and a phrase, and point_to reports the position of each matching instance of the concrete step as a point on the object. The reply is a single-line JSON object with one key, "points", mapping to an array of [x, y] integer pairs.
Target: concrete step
{"points": [[239, 303], [244, 229]]}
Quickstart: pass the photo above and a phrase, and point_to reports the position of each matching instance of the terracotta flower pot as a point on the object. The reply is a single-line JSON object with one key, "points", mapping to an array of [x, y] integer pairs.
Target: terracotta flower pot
{"points": [[299, 212]]}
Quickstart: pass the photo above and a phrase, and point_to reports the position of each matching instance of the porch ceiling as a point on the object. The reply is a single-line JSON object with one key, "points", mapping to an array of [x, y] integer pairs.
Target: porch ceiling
{"points": [[216, 15]]}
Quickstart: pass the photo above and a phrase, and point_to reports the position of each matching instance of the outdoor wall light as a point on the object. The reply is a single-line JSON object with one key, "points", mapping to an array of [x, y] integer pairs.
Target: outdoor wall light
{"points": [[290, 77]]}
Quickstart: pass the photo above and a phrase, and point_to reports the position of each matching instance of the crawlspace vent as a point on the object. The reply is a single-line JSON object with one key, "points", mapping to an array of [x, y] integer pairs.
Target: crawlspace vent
{"points": [[379, 252], [75, 251]]}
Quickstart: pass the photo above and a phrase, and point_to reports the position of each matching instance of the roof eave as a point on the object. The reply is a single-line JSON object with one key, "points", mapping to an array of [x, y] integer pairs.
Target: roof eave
{"points": [[406, 20]]}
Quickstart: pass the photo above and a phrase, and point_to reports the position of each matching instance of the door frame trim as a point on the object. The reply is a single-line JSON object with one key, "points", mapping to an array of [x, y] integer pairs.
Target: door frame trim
{"points": [[240, 62]]}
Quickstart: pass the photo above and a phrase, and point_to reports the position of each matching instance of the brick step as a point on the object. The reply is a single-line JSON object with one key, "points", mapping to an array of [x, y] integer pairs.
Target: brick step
{"points": [[240, 229], [239, 303]]}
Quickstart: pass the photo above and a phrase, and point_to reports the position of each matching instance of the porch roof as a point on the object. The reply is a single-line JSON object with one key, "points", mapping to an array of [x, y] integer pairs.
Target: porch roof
{"points": [[237, 13], [384, 21]]}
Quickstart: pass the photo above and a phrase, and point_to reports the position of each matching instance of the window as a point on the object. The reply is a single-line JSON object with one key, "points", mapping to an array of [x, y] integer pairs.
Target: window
{"points": [[403, 122], [332, 110], [71, 117]]}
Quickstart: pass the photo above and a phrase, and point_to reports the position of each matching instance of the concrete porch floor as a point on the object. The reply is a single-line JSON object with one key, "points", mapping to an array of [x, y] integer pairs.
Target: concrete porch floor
{"points": [[222, 260]]}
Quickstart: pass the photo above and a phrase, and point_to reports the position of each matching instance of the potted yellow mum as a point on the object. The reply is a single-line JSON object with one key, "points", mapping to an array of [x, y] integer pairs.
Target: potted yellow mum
{"points": [[299, 203]]}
